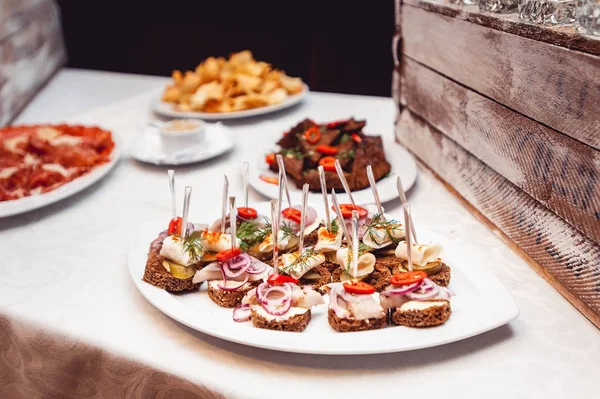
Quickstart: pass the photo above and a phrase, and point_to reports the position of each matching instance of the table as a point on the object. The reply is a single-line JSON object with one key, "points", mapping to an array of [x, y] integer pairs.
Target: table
{"points": [[67, 304]]}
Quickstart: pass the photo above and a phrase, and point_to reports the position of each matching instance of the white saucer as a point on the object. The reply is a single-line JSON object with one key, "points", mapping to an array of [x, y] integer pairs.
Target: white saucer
{"points": [[147, 147]]}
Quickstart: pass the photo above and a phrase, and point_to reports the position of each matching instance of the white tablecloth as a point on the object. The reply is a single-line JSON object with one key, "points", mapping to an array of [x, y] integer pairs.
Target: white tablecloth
{"points": [[64, 269]]}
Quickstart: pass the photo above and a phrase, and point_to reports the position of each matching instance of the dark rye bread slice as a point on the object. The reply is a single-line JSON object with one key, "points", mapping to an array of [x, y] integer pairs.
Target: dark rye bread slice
{"points": [[324, 274], [157, 275], [347, 325], [379, 278], [295, 323], [442, 278], [227, 299], [391, 262], [431, 317], [311, 239]]}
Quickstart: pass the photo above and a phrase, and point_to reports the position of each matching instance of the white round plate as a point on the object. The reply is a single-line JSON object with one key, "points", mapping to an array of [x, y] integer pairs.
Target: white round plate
{"points": [[403, 165], [147, 147], [168, 109], [480, 304], [26, 204]]}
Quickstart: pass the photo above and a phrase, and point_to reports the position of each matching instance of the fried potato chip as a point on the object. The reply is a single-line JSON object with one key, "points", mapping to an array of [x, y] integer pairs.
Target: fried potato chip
{"points": [[221, 85]]}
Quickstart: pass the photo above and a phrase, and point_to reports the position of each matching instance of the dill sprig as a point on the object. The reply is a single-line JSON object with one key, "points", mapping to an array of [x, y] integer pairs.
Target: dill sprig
{"points": [[302, 260], [251, 233], [192, 244], [335, 227], [286, 228], [379, 222]]}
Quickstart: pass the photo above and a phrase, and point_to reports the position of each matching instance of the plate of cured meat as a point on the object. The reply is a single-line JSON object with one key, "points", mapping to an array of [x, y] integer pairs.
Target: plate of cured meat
{"points": [[42, 164], [308, 145], [340, 280]]}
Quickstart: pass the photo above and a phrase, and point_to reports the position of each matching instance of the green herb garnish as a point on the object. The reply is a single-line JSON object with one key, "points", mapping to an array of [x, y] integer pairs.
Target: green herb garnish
{"points": [[335, 227], [302, 260], [345, 138], [347, 154], [293, 152], [379, 222], [362, 249], [251, 233], [193, 246]]}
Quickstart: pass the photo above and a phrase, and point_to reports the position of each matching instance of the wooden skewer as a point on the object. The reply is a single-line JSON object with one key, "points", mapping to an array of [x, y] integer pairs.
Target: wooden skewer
{"points": [[408, 239], [186, 209], [354, 244], [410, 228], [285, 182], [324, 192], [275, 233], [340, 172], [338, 212], [303, 217], [224, 205], [171, 173], [232, 221], [373, 184], [245, 167]]}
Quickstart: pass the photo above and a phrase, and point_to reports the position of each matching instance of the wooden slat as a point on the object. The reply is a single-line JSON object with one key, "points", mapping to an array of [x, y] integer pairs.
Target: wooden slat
{"points": [[565, 36], [558, 171], [553, 85], [558, 252]]}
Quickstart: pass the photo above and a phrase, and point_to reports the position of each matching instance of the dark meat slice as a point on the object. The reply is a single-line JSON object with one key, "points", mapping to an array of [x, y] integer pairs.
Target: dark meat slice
{"points": [[353, 126], [370, 152], [312, 155], [345, 154], [290, 139], [331, 179], [293, 167]]}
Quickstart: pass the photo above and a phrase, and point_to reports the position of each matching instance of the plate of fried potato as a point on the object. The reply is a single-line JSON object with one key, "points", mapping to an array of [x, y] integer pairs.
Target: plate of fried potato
{"points": [[231, 88]]}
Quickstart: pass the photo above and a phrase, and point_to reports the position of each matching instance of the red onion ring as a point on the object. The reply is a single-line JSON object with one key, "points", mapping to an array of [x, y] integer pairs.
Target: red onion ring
{"points": [[275, 306], [403, 290], [158, 241], [236, 266], [334, 301], [427, 290], [257, 266], [241, 313]]}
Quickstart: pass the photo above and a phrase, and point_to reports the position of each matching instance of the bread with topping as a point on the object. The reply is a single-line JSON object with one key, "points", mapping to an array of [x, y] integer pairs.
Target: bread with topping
{"points": [[347, 325], [296, 323], [227, 299], [437, 312], [157, 275]]}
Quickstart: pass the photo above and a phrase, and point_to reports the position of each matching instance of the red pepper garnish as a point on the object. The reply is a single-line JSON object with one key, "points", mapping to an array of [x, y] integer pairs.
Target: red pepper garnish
{"points": [[333, 125], [270, 159], [348, 208], [175, 226], [359, 287], [293, 214], [327, 149], [408, 277], [247, 213], [224, 256], [313, 135], [280, 279], [269, 179], [328, 163], [356, 138]]}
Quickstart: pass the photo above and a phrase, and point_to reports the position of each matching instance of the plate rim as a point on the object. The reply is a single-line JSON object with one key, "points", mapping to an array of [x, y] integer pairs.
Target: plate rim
{"points": [[292, 100], [495, 300], [33, 202], [257, 185]]}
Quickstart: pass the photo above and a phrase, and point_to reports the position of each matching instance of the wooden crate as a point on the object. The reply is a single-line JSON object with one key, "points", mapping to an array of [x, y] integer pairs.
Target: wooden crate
{"points": [[31, 50], [507, 114]]}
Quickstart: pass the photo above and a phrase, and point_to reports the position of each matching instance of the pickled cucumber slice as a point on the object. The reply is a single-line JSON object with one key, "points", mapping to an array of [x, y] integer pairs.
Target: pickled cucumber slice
{"points": [[179, 271], [431, 268]]}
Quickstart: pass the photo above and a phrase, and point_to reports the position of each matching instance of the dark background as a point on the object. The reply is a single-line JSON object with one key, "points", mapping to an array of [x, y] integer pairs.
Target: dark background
{"points": [[335, 46]]}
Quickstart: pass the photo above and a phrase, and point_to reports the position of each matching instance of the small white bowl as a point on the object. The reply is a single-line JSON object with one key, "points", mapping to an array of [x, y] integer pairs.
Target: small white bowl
{"points": [[178, 134]]}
